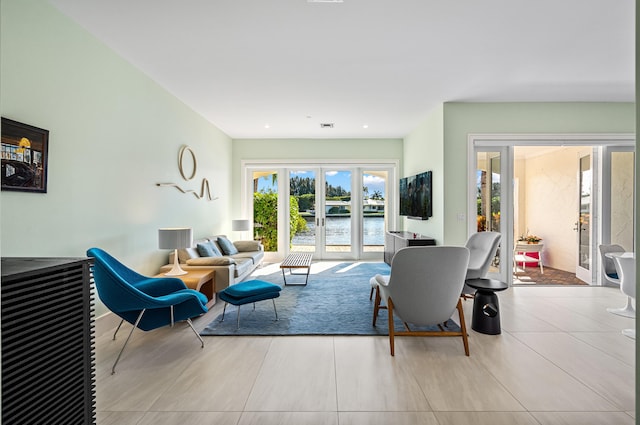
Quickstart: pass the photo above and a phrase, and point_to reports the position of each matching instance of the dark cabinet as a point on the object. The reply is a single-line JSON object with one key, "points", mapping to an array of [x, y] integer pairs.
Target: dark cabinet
{"points": [[393, 241], [48, 374]]}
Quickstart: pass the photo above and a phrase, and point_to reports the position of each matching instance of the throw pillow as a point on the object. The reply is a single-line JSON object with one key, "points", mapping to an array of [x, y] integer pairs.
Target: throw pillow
{"points": [[208, 249], [227, 246], [248, 246]]}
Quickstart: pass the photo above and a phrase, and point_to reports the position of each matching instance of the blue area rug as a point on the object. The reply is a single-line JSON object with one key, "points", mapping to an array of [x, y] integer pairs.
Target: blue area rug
{"points": [[335, 302]]}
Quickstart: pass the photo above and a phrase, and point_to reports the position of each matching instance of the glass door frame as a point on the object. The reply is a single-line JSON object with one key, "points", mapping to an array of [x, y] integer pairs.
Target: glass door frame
{"points": [[247, 167], [592, 233], [493, 142], [506, 206]]}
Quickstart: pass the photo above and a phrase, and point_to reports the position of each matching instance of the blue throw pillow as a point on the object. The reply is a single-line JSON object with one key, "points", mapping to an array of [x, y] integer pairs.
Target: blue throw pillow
{"points": [[208, 249], [227, 246]]}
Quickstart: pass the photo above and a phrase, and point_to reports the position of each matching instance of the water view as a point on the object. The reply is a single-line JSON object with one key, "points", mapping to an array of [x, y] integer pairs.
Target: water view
{"points": [[339, 231]]}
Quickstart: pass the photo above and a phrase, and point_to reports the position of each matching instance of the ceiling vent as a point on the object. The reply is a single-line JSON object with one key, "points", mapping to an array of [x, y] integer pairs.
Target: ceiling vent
{"points": [[326, 125]]}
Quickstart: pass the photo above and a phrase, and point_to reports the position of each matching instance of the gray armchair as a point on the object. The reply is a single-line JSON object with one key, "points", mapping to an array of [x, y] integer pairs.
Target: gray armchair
{"points": [[424, 290], [482, 249]]}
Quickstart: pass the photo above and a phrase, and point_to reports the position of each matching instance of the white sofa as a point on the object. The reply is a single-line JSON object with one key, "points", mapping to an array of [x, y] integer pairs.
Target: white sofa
{"points": [[229, 268]]}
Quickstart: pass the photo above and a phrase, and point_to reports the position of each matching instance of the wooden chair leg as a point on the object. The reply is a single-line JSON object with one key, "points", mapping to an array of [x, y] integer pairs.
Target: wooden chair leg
{"points": [[371, 294], [376, 305], [391, 327], [463, 328]]}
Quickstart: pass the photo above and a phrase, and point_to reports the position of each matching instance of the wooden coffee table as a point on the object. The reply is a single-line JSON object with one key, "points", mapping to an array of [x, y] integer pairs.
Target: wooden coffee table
{"points": [[200, 280], [297, 260]]}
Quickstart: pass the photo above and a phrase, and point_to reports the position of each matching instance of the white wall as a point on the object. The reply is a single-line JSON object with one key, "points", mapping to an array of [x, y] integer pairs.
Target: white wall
{"points": [[551, 204], [424, 150], [114, 134]]}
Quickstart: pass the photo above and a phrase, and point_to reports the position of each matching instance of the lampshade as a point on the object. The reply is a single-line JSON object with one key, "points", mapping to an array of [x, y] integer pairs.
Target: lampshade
{"points": [[175, 238], [240, 225]]}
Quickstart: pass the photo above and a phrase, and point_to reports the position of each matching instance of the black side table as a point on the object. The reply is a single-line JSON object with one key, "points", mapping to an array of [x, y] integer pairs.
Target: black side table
{"points": [[486, 309]]}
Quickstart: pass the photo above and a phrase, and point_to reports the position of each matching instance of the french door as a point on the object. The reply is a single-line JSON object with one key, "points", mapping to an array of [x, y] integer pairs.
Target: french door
{"points": [[576, 191], [333, 211], [325, 223]]}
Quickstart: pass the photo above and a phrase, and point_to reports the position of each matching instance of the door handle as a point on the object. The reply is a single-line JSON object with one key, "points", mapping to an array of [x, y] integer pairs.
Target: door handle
{"points": [[322, 221]]}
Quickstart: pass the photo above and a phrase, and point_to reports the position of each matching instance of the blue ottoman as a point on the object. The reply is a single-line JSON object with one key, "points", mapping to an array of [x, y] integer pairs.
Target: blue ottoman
{"points": [[250, 291]]}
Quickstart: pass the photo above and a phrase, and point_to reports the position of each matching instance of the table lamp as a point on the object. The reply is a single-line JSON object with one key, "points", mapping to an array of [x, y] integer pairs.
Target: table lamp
{"points": [[240, 225], [175, 238]]}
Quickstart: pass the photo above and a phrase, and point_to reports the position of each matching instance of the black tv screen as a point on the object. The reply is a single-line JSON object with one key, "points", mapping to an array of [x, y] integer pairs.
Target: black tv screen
{"points": [[415, 196]]}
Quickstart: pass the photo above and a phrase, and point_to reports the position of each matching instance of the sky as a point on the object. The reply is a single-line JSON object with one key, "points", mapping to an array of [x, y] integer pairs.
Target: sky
{"points": [[334, 178]]}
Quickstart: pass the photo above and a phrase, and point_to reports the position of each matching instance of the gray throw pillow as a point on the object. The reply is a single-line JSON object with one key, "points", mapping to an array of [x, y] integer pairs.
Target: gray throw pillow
{"points": [[227, 246], [208, 249]]}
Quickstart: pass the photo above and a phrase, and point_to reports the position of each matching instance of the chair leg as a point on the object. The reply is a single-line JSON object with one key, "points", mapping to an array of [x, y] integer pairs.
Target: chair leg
{"points": [[238, 318], [376, 306], [113, 369], [463, 328], [274, 308], [391, 327], [371, 294], [117, 329], [224, 309], [190, 323], [626, 311]]}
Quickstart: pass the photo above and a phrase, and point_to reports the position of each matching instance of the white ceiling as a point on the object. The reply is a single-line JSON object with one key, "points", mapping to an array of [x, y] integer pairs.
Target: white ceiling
{"points": [[292, 64]]}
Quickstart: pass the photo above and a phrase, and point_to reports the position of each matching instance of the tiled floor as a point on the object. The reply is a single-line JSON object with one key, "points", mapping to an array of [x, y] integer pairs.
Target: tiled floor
{"points": [[560, 359], [550, 276]]}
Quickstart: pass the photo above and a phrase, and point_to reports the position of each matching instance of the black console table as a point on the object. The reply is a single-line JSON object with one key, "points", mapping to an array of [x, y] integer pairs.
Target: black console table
{"points": [[394, 241]]}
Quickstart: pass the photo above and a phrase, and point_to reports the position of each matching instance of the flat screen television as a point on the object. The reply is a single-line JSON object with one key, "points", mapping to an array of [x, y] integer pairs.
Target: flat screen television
{"points": [[415, 196]]}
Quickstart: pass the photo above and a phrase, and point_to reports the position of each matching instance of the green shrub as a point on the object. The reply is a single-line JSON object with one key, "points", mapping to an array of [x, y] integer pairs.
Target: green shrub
{"points": [[265, 218]]}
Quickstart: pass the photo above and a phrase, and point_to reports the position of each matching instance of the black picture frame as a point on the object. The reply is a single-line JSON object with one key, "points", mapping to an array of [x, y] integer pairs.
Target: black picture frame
{"points": [[24, 155]]}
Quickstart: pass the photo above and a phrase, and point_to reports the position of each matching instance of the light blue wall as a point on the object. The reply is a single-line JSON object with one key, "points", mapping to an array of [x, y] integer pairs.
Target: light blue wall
{"points": [[462, 119], [311, 149], [114, 134], [440, 143], [424, 151]]}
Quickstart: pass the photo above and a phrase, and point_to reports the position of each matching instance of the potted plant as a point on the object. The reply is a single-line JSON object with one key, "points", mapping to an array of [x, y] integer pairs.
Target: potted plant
{"points": [[530, 239]]}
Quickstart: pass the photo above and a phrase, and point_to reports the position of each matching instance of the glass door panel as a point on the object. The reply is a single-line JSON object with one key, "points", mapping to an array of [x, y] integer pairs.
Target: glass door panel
{"points": [[336, 222], [374, 205], [265, 208], [622, 199], [488, 200], [302, 201], [583, 225]]}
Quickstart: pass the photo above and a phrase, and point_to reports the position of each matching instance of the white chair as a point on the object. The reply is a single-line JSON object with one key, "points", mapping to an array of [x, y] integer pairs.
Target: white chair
{"points": [[626, 266], [424, 290], [521, 255], [482, 250], [609, 272]]}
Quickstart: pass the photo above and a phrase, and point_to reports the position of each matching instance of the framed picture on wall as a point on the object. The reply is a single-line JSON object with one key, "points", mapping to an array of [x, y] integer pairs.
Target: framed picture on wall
{"points": [[24, 157]]}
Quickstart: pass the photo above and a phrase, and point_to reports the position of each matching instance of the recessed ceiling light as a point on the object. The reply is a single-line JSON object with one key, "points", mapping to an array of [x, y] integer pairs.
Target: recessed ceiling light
{"points": [[326, 125], [267, 126], [365, 125]]}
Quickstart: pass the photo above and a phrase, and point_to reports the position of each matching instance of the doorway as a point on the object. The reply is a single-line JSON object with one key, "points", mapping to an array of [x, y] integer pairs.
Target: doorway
{"points": [[559, 193]]}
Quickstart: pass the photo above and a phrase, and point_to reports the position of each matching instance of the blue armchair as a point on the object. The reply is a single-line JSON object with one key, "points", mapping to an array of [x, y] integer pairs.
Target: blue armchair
{"points": [[147, 303]]}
